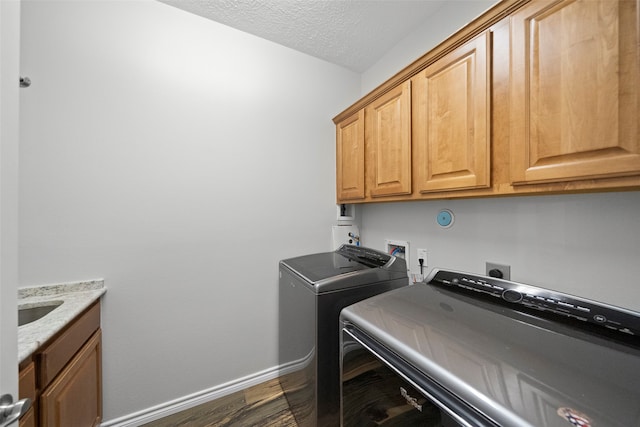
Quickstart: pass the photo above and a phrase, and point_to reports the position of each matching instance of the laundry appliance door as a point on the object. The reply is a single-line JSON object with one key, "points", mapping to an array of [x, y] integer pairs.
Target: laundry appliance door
{"points": [[380, 389]]}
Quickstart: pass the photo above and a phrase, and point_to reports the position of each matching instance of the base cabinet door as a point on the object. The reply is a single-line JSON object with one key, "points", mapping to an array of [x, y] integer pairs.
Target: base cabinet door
{"points": [[574, 91], [74, 399], [27, 390], [28, 419]]}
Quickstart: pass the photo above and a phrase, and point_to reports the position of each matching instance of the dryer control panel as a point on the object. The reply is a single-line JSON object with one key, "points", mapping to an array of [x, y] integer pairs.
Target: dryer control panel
{"points": [[517, 294]]}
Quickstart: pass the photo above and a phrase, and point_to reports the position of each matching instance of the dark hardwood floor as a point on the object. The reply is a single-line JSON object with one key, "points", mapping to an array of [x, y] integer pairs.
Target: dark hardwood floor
{"points": [[259, 406]]}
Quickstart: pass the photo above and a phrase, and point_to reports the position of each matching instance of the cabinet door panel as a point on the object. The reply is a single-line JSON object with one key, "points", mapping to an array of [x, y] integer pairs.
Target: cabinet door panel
{"points": [[388, 141], [451, 120], [574, 91], [74, 398], [28, 419], [57, 354], [27, 389], [350, 158]]}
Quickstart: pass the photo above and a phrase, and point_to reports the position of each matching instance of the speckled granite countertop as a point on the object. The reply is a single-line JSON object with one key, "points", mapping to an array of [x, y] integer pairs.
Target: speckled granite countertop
{"points": [[75, 297]]}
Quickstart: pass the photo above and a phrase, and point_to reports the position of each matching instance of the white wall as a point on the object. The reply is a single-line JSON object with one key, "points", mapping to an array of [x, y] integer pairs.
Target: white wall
{"points": [[449, 18], [585, 244], [180, 160]]}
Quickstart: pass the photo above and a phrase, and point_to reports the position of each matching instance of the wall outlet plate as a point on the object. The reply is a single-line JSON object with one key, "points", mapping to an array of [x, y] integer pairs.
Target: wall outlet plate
{"points": [[503, 268], [346, 212], [422, 254]]}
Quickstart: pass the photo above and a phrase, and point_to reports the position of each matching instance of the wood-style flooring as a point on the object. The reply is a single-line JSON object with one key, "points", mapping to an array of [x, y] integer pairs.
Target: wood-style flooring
{"points": [[259, 406]]}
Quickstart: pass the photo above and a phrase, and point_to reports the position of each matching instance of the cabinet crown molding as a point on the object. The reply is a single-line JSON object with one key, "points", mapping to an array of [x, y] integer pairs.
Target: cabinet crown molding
{"points": [[483, 22]]}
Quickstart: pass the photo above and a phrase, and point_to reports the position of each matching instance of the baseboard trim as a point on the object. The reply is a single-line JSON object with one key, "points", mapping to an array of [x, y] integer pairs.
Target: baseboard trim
{"points": [[174, 406]]}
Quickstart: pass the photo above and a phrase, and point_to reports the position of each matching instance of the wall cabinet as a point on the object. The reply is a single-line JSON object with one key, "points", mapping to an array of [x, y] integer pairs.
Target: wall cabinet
{"points": [[532, 97], [373, 149], [388, 142], [64, 378], [574, 91], [430, 133], [451, 119], [350, 158]]}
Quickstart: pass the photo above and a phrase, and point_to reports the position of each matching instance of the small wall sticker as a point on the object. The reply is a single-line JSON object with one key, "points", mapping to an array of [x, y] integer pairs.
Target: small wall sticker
{"points": [[445, 218]]}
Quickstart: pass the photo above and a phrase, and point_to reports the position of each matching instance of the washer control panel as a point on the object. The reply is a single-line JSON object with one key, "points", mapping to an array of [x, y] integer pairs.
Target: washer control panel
{"points": [[508, 292]]}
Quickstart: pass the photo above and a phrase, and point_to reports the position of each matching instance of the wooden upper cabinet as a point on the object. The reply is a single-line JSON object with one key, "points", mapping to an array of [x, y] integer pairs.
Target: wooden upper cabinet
{"points": [[350, 158], [574, 91], [531, 97], [451, 119], [388, 143]]}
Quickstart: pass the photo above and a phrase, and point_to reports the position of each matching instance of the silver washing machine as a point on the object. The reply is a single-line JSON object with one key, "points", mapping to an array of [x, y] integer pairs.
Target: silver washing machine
{"points": [[313, 290]]}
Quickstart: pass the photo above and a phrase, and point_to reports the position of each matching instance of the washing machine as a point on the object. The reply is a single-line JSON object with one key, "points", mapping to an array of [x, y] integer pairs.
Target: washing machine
{"points": [[313, 289]]}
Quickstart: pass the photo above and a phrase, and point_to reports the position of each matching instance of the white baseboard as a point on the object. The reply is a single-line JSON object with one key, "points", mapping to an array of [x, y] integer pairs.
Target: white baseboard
{"points": [[172, 407]]}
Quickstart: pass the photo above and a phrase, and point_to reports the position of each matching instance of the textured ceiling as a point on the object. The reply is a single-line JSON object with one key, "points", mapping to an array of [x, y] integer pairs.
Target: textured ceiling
{"points": [[352, 33]]}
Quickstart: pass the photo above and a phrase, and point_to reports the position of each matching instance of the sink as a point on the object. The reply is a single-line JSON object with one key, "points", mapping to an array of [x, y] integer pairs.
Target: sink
{"points": [[30, 314]]}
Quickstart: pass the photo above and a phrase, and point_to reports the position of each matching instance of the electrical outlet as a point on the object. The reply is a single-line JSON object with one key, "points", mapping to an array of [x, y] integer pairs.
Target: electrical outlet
{"points": [[422, 255], [501, 271]]}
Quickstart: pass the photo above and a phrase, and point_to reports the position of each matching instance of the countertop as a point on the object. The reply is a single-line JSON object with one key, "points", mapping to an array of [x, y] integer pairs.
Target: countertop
{"points": [[75, 297]]}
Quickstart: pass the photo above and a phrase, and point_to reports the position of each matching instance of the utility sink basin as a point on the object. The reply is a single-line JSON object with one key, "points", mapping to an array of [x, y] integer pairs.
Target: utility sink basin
{"points": [[31, 314]]}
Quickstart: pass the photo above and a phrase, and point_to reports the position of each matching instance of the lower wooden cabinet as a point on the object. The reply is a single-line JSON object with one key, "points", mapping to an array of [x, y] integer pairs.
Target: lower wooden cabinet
{"points": [[28, 419], [74, 399], [64, 377], [27, 390]]}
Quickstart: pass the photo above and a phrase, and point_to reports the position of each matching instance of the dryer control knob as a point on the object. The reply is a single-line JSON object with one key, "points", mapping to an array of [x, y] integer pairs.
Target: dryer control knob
{"points": [[511, 295]]}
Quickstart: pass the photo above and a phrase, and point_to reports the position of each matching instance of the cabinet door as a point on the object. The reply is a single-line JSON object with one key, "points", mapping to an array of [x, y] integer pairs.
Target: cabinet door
{"points": [[28, 419], [74, 398], [350, 158], [388, 142], [27, 389], [574, 91], [451, 120]]}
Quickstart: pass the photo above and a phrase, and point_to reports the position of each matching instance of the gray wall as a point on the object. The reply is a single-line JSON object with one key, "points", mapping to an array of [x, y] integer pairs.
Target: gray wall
{"points": [[180, 160]]}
